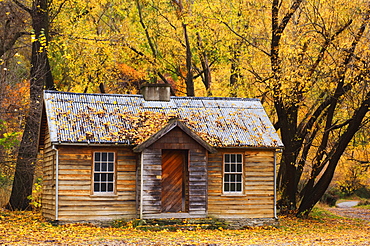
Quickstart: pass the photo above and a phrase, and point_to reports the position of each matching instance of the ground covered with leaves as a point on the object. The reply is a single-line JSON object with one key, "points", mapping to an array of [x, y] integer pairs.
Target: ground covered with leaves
{"points": [[322, 228]]}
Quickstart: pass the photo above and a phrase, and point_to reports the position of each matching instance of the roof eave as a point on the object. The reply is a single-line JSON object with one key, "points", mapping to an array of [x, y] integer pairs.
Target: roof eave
{"points": [[89, 144], [251, 147]]}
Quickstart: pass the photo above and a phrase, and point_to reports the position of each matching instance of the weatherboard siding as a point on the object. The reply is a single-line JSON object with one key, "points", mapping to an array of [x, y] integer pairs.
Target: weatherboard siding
{"points": [[76, 199], [257, 200], [152, 171], [48, 180]]}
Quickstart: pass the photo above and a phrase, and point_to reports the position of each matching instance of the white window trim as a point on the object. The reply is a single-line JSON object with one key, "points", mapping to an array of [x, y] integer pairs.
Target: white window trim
{"points": [[104, 193], [232, 193]]}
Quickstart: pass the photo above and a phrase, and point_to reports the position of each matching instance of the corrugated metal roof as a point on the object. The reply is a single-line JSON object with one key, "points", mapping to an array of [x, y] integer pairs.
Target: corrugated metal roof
{"points": [[130, 120]]}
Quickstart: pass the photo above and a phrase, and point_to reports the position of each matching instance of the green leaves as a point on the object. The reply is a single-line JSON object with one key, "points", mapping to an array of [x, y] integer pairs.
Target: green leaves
{"points": [[9, 139]]}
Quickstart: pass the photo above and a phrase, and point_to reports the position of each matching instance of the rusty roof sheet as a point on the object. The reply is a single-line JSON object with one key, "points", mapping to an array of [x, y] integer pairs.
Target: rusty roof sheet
{"points": [[130, 120]]}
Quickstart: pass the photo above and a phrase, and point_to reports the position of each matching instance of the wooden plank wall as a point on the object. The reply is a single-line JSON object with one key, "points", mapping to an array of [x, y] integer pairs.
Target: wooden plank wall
{"points": [[48, 180], [176, 139], [258, 198], [198, 181], [76, 200], [152, 176]]}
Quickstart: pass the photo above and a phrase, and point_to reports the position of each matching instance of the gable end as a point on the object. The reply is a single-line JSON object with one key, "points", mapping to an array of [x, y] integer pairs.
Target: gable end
{"points": [[171, 125]]}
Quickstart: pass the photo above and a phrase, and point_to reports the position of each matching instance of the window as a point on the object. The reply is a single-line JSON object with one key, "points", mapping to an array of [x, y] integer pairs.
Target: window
{"points": [[104, 172], [233, 173]]}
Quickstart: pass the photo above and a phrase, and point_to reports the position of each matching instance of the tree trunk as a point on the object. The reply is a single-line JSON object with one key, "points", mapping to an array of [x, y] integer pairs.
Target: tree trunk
{"points": [[189, 79], [235, 73], [189, 72], [309, 200], [206, 78], [313, 192], [288, 116], [287, 112], [40, 76]]}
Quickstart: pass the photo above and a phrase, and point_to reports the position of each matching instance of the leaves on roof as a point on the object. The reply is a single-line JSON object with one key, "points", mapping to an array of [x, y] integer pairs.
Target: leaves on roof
{"points": [[129, 122]]}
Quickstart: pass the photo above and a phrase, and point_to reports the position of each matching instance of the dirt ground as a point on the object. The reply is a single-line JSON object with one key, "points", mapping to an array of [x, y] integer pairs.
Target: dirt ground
{"points": [[350, 211]]}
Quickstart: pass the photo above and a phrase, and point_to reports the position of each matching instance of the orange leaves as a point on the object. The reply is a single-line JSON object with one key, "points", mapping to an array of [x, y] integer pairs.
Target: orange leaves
{"points": [[143, 125], [95, 125], [15, 96], [130, 72]]}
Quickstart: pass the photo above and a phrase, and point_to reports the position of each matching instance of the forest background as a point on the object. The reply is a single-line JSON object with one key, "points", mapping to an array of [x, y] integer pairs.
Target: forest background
{"points": [[308, 62]]}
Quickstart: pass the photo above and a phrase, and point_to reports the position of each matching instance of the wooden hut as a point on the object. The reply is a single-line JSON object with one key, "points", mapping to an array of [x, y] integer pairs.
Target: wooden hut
{"points": [[107, 157]]}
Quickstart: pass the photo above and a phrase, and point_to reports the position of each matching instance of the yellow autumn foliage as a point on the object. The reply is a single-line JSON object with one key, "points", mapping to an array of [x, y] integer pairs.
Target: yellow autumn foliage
{"points": [[28, 228]]}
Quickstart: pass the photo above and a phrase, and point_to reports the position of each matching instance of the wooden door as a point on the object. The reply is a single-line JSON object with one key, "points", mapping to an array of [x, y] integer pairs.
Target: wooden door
{"points": [[174, 181]]}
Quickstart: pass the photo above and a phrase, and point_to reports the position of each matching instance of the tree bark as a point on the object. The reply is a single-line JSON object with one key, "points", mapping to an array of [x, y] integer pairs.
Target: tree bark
{"points": [[12, 26], [206, 78], [313, 192], [190, 92], [287, 113], [40, 77], [319, 189], [235, 73]]}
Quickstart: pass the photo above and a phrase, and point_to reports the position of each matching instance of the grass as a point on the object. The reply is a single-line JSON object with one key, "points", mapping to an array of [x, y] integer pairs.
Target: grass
{"points": [[364, 204], [321, 228], [319, 213]]}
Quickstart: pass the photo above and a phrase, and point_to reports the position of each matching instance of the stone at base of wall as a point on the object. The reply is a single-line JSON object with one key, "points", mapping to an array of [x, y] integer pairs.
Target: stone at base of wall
{"points": [[98, 223], [243, 223], [229, 223]]}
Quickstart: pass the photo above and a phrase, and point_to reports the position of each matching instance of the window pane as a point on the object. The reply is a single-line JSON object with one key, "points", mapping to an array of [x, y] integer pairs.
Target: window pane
{"points": [[233, 158], [239, 168], [103, 187], [227, 177], [97, 156], [97, 167], [226, 187], [104, 167], [104, 156], [233, 168], [232, 176], [238, 187], [110, 156], [110, 166], [239, 178], [96, 177], [103, 177], [227, 167], [110, 177], [239, 158], [227, 158], [96, 187], [232, 187], [110, 187]]}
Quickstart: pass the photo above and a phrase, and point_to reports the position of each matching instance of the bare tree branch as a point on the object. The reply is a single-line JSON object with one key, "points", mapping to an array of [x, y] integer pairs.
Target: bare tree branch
{"points": [[10, 44], [245, 39], [22, 6]]}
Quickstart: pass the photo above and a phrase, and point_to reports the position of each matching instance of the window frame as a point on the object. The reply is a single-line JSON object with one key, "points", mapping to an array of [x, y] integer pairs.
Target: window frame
{"points": [[224, 173], [114, 172]]}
